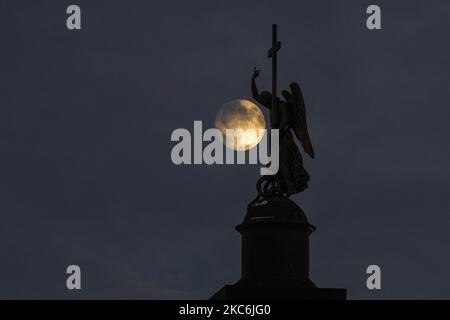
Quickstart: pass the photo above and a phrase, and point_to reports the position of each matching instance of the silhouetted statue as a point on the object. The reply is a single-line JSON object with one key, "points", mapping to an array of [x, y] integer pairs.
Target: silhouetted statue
{"points": [[275, 231], [291, 114]]}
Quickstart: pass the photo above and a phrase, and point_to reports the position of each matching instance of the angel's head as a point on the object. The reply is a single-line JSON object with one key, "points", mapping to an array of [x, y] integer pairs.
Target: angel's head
{"points": [[266, 98]]}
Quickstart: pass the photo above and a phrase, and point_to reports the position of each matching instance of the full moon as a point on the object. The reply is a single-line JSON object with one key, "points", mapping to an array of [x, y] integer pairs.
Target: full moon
{"points": [[246, 119]]}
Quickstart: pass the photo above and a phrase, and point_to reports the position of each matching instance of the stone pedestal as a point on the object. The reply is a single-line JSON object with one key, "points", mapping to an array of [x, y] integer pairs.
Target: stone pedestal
{"points": [[275, 255]]}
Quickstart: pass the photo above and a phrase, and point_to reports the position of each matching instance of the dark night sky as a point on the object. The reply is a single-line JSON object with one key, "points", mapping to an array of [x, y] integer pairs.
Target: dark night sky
{"points": [[85, 124]]}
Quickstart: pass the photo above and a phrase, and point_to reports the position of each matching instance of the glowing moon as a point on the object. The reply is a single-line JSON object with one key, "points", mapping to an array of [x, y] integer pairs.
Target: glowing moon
{"points": [[246, 119]]}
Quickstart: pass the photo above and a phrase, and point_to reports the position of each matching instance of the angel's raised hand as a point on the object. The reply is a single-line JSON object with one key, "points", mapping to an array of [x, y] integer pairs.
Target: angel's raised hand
{"points": [[255, 72]]}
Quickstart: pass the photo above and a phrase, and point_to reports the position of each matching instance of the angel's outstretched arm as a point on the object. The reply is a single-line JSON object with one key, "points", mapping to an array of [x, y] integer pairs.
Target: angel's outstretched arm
{"points": [[255, 92], [263, 98]]}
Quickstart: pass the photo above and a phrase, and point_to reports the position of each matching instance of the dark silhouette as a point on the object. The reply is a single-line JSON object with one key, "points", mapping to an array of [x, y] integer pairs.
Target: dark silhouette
{"points": [[275, 231], [291, 177]]}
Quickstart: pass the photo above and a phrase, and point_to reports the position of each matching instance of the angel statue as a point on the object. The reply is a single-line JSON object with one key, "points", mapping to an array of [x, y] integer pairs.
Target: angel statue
{"points": [[292, 177]]}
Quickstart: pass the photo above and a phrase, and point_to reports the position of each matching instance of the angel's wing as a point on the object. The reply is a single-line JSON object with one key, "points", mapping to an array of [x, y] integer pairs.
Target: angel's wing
{"points": [[298, 122]]}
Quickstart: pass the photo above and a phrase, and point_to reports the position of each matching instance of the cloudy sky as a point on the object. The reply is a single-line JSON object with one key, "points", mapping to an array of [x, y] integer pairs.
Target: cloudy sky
{"points": [[85, 124]]}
